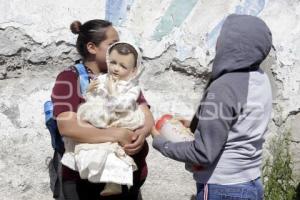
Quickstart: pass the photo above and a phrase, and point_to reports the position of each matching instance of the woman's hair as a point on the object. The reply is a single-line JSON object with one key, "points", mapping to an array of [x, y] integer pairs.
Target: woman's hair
{"points": [[91, 31], [125, 49]]}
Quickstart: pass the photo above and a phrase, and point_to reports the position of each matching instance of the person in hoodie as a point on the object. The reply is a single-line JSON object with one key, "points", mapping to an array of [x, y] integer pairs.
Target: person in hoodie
{"points": [[111, 101], [232, 119]]}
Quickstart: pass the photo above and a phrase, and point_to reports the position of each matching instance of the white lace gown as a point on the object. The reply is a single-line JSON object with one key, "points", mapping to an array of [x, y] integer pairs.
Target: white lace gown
{"points": [[106, 162]]}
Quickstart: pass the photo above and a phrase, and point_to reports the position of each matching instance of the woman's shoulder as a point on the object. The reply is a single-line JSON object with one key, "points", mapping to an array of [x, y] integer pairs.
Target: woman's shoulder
{"points": [[70, 69], [68, 73]]}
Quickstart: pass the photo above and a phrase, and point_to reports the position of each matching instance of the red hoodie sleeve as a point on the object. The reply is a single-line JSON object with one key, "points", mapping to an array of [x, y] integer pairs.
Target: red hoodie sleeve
{"points": [[66, 94], [141, 100]]}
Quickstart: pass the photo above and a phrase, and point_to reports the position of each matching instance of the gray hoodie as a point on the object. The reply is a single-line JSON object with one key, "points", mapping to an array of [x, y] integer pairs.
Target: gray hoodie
{"points": [[232, 118]]}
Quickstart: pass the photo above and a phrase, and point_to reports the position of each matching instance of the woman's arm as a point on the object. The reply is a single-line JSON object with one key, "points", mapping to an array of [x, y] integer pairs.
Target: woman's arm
{"points": [[149, 121], [66, 98], [81, 131]]}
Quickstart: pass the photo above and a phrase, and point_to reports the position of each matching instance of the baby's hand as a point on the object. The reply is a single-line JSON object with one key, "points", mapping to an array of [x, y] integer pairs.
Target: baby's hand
{"points": [[93, 85]]}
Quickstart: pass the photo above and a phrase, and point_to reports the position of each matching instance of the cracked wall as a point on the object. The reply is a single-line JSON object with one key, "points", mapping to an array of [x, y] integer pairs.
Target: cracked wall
{"points": [[178, 48], [19, 51]]}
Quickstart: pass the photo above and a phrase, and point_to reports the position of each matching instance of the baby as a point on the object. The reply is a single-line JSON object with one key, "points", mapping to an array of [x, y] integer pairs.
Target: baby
{"points": [[111, 102], [111, 99]]}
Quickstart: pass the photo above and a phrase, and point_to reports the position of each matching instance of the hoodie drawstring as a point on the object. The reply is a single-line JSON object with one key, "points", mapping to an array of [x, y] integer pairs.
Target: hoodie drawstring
{"points": [[205, 193]]}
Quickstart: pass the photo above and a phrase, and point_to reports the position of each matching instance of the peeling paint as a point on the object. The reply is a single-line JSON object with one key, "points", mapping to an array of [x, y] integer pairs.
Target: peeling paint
{"points": [[173, 17], [248, 7], [116, 11], [19, 52]]}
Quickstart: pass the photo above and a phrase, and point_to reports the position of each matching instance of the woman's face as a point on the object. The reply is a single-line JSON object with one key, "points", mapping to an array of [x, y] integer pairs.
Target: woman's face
{"points": [[111, 37]]}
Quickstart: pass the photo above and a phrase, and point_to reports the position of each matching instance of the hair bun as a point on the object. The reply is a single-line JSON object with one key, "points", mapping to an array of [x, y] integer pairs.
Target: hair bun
{"points": [[75, 27]]}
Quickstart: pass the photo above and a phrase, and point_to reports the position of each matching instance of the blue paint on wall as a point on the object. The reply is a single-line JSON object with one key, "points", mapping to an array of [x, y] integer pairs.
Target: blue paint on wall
{"points": [[213, 35], [116, 11], [173, 17], [249, 7]]}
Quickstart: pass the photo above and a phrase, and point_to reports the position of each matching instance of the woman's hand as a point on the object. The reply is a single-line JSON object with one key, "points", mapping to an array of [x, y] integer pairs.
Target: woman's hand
{"points": [[140, 134], [138, 138], [92, 86], [122, 135]]}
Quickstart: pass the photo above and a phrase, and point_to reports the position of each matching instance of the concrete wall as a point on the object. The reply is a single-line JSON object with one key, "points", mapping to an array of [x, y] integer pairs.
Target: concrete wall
{"points": [[178, 39]]}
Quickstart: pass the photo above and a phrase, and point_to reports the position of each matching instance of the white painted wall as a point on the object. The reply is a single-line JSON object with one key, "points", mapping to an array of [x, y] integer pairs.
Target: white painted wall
{"points": [[48, 21]]}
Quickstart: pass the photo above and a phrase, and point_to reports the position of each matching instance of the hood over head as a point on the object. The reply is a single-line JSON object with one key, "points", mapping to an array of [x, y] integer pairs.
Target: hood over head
{"points": [[139, 66], [244, 42]]}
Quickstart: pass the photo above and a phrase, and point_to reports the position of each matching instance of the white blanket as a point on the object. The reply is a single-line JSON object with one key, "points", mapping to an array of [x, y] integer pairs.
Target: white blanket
{"points": [[105, 162]]}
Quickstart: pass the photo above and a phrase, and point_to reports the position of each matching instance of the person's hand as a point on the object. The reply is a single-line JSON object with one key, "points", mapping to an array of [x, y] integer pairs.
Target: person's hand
{"points": [[154, 132], [122, 135], [138, 138], [141, 133], [92, 86], [185, 122]]}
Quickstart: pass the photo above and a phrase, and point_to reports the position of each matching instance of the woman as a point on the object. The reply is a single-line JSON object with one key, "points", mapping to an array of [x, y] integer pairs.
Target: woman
{"points": [[232, 118], [94, 37]]}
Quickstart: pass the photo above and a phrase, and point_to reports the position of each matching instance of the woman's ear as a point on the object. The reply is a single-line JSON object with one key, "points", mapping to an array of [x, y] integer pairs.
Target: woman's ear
{"points": [[91, 47]]}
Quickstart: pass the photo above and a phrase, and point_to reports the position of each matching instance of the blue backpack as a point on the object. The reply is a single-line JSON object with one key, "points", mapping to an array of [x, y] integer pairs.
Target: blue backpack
{"points": [[50, 121]]}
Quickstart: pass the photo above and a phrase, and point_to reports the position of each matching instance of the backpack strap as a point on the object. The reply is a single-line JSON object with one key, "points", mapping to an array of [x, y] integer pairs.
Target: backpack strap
{"points": [[48, 110], [83, 77]]}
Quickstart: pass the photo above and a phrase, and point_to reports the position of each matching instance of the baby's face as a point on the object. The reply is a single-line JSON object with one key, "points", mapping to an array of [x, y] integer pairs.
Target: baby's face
{"points": [[121, 67]]}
